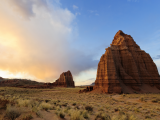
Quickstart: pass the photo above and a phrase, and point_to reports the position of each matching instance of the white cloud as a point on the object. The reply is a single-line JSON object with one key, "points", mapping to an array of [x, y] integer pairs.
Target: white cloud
{"points": [[75, 7], [157, 61], [78, 13], [39, 45], [93, 12]]}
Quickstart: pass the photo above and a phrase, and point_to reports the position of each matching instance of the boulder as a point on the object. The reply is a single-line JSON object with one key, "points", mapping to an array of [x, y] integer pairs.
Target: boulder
{"points": [[65, 80], [125, 64]]}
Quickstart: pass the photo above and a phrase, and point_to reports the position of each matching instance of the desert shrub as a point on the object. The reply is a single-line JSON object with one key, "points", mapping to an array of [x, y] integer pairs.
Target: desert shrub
{"points": [[76, 107], [156, 100], [3, 103], [64, 104], [58, 108], [28, 117], [74, 104], [124, 116], [46, 106], [101, 109], [67, 109], [23, 103], [102, 116], [85, 114], [39, 114], [61, 114], [12, 113], [33, 103], [47, 101], [136, 110], [75, 115], [89, 108], [35, 109], [141, 99], [147, 117]]}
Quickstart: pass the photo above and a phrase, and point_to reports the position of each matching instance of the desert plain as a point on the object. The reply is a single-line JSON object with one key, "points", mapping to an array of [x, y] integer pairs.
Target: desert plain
{"points": [[67, 104]]}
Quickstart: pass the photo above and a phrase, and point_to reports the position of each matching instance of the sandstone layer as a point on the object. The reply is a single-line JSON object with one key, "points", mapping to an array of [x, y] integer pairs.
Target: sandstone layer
{"points": [[125, 64], [65, 80]]}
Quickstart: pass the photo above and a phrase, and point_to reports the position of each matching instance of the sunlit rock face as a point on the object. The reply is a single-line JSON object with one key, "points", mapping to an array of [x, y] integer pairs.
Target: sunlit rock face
{"points": [[125, 64], [65, 80]]}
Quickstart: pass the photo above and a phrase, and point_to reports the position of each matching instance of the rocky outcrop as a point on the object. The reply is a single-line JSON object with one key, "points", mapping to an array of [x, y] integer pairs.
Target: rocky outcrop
{"points": [[87, 89], [124, 63], [65, 80]]}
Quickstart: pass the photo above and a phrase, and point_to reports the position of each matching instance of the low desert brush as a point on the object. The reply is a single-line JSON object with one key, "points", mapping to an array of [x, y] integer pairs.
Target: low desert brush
{"points": [[12, 113], [102, 116], [75, 115], [124, 116], [46, 106], [60, 113], [89, 108], [28, 117], [85, 114], [23, 103]]}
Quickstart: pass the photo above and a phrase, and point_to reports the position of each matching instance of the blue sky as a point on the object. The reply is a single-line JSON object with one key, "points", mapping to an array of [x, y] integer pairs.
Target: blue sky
{"points": [[47, 37]]}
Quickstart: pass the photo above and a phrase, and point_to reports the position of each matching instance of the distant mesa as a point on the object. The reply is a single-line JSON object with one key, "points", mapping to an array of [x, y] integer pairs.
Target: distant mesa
{"points": [[65, 80], [4, 82], [92, 84], [125, 68]]}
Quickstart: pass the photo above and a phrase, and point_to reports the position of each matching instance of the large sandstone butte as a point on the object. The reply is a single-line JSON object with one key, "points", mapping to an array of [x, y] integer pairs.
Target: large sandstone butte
{"points": [[65, 80], [125, 65]]}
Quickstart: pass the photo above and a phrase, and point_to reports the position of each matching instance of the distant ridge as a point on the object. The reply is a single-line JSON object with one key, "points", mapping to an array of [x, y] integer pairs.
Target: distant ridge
{"points": [[17, 82]]}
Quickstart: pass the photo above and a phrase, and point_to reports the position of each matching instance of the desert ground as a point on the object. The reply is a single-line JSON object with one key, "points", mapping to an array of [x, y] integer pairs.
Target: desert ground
{"points": [[67, 104]]}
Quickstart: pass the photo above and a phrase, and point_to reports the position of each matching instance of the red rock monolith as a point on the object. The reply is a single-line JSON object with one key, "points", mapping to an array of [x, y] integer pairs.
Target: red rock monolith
{"points": [[65, 80], [125, 64]]}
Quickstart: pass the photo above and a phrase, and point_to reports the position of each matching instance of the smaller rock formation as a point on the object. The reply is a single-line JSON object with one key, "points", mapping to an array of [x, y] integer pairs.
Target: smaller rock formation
{"points": [[88, 88], [65, 80]]}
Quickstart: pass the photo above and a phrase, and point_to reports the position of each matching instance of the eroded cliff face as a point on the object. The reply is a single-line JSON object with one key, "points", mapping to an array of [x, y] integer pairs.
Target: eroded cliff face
{"points": [[65, 80], [124, 63]]}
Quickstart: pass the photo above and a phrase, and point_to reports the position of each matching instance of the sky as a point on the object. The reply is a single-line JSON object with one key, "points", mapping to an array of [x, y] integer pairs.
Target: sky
{"points": [[40, 39]]}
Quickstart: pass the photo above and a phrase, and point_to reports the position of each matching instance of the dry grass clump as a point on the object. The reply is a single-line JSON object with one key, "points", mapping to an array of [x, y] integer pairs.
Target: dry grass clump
{"points": [[102, 116], [3, 103], [60, 113], [89, 108], [23, 103], [28, 117], [123, 116], [75, 115], [156, 100], [46, 106], [12, 113], [85, 114]]}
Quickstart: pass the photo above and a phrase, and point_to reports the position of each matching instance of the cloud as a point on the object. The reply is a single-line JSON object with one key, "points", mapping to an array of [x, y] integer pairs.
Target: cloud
{"points": [[78, 13], [75, 7], [93, 11], [157, 61], [157, 57], [39, 45], [25, 8]]}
